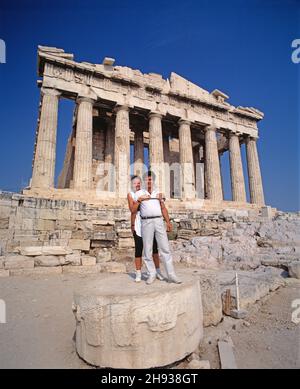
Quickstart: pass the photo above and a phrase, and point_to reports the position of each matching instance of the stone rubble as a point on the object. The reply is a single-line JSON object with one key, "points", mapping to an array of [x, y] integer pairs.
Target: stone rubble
{"points": [[240, 244], [294, 269]]}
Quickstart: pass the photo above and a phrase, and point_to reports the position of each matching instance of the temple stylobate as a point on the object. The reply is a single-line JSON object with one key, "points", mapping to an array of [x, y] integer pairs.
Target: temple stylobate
{"points": [[125, 122]]}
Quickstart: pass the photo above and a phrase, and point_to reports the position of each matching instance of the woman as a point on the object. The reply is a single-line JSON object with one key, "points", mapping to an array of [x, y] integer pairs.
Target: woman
{"points": [[136, 230]]}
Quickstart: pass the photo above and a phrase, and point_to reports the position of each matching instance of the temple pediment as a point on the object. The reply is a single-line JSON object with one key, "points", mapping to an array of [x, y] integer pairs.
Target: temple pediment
{"points": [[184, 86]]}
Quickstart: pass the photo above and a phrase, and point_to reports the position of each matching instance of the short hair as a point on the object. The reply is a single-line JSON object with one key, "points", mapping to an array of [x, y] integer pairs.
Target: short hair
{"points": [[149, 173], [134, 177]]}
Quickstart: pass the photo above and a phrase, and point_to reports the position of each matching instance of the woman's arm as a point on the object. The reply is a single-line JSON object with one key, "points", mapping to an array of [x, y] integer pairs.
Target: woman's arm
{"points": [[133, 210], [131, 203], [132, 222]]}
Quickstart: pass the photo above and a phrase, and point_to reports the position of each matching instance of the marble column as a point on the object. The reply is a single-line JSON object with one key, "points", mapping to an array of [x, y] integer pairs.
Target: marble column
{"points": [[212, 166], [98, 155], [186, 160], [156, 155], [196, 155], [45, 153], [138, 152], [167, 176], [201, 184], [254, 174], [122, 150], [109, 155], [236, 169], [205, 172], [84, 147], [199, 171], [221, 173]]}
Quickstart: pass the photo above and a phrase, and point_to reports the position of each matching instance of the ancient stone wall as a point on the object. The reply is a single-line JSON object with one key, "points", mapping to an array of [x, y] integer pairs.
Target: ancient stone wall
{"points": [[28, 221], [58, 233]]}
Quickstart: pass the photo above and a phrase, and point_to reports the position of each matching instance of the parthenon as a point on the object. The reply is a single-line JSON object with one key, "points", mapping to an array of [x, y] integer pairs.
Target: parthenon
{"points": [[125, 122]]}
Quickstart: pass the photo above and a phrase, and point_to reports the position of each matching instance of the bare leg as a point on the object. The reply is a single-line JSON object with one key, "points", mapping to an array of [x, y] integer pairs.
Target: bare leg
{"points": [[156, 260], [138, 263]]}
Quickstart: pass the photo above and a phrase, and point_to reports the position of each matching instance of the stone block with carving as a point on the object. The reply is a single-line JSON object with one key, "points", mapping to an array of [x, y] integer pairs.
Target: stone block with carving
{"points": [[120, 325]]}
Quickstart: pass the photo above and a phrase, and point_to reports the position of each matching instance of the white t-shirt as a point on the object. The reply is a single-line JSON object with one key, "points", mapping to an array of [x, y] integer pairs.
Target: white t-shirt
{"points": [[137, 222], [151, 207]]}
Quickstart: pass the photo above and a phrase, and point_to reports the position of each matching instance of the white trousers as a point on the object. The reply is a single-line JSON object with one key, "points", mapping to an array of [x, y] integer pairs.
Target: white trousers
{"points": [[155, 227]]}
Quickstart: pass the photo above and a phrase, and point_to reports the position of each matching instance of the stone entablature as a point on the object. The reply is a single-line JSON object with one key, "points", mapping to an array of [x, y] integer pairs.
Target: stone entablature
{"points": [[122, 85]]}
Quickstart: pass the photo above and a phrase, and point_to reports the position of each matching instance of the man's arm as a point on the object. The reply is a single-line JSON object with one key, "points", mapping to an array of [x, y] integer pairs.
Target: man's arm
{"points": [[136, 204], [165, 214]]}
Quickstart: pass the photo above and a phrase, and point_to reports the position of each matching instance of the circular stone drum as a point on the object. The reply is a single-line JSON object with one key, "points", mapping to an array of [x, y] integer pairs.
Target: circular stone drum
{"points": [[122, 324]]}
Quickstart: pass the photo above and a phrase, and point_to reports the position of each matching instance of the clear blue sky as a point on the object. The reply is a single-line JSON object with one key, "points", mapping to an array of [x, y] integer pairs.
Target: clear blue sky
{"points": [[240, 47]]}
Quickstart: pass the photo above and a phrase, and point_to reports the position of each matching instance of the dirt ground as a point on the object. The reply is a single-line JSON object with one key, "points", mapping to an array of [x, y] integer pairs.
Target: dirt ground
{"points": [[40, 326], [266, 339]]}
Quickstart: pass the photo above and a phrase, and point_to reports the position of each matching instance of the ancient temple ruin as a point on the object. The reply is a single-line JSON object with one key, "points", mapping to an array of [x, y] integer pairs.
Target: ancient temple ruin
{"points": [[121, 115]]}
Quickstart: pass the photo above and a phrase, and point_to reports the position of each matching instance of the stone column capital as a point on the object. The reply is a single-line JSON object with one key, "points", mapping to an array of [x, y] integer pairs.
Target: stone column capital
{"points": [[232, 134], [82, 99], [138, 130], [110, 118], [210, 127], [123, 107], [50, 92], [184, 121], [250, 138], [155, 115]]}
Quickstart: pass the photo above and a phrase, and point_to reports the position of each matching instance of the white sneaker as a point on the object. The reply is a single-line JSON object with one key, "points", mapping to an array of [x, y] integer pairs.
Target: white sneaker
{"points": [[159, 276], [174, 279], [151, 279], [138, 276]]}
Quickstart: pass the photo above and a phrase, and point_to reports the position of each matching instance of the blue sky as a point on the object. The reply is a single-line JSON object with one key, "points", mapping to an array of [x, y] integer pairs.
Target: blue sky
{"points": [[240, 47]]}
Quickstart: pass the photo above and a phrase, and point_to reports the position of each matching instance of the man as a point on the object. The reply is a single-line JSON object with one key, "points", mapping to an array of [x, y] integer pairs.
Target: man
{"points": [[152, 211]]}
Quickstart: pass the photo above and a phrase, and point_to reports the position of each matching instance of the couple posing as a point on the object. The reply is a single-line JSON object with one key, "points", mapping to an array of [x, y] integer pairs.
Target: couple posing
{"points": [[147, 212]]}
